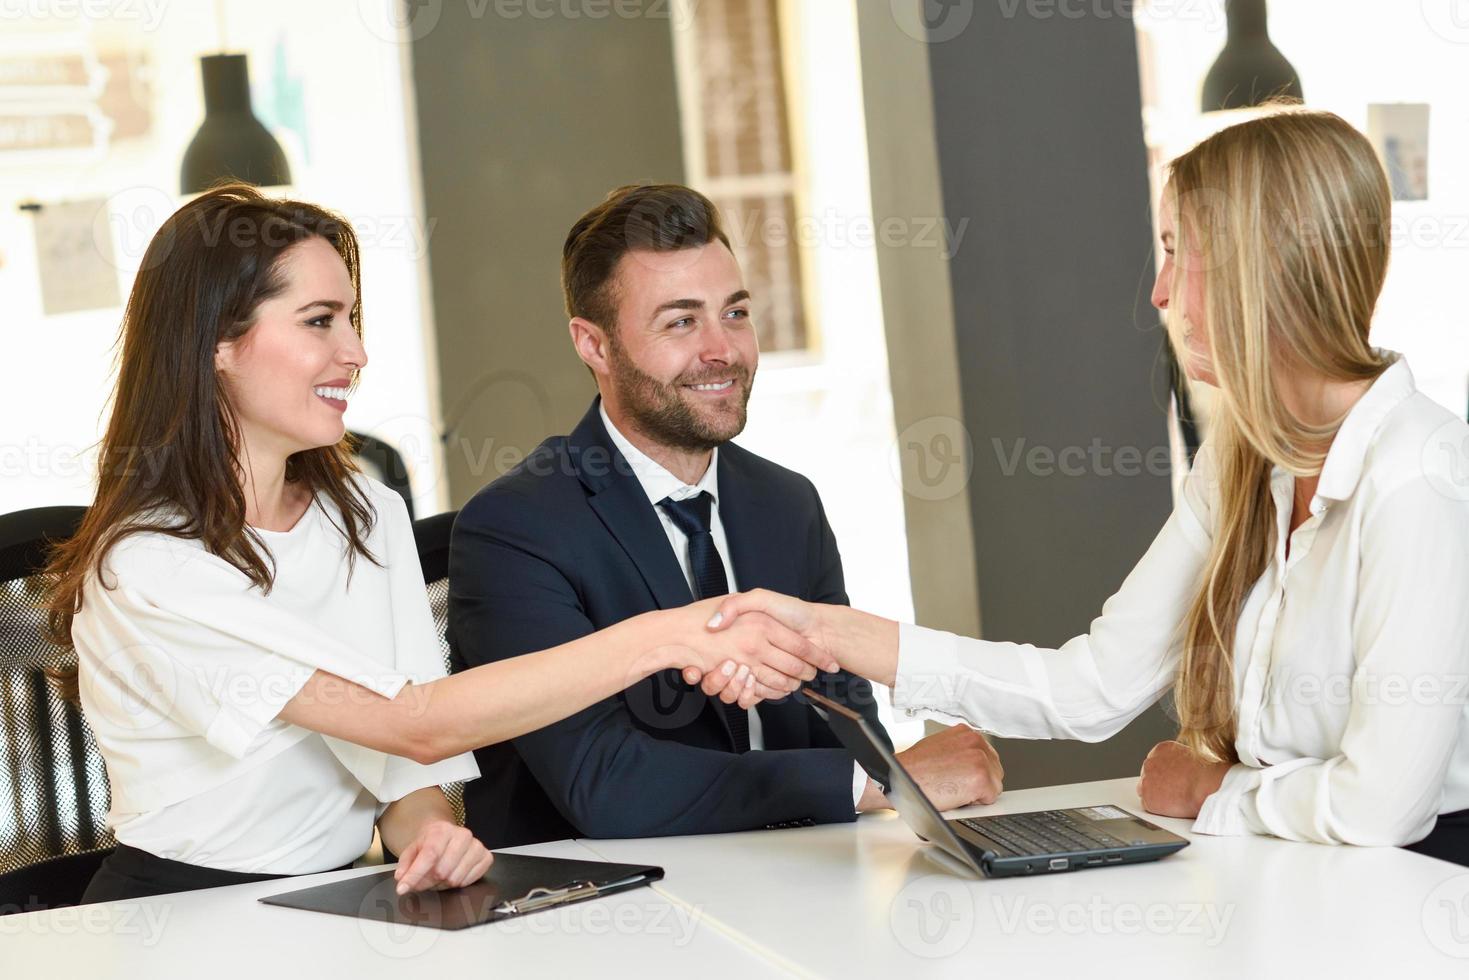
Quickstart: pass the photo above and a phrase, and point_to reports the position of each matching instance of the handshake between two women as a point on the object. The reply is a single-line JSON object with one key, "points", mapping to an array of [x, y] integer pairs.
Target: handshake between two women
{"points": [[775, 642], [760, 645]]}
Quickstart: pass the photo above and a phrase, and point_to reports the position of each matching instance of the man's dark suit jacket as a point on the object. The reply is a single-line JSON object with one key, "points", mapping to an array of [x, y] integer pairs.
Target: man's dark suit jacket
{"points": [[566, 544]]}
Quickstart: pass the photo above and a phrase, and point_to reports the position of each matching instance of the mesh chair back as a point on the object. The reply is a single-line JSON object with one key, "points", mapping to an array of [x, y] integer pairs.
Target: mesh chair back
{"points": [[431, 534], [53, 784]]}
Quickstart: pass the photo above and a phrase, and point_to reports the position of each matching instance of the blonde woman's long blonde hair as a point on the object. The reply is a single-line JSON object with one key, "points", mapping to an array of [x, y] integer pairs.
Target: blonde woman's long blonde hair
{"points": [[1288, 216]]}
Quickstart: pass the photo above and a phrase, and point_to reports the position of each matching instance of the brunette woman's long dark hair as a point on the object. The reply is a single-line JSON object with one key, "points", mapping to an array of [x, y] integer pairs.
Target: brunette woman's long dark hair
{"points": [[169, 462]]}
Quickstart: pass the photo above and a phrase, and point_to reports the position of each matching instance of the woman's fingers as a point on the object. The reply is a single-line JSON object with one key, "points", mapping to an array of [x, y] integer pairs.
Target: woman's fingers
{"points": [[769, 693], [774, 680], [777, 660], [783, 649], [789, 614], [766, 664], [456, 848], [442, 857], [405, 861], [748, 697], [736, 685], [464, 873], [792, 655], [419, 870], [797, 645], [773, 660], [716, 680], [789, 611], [729, 690], [482, 868], [733, 606]]}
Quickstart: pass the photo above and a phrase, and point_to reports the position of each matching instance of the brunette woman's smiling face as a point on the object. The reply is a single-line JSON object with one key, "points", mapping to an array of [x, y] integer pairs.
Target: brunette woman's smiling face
{"points": [[287, 375]]}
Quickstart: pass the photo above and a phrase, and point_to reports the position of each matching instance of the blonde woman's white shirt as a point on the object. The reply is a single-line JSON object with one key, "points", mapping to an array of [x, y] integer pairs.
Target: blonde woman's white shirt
{"points": [[184, 666], [1352, 654]]}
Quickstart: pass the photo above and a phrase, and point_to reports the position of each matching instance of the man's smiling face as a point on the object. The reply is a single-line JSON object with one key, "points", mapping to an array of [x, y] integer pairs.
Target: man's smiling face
{"points": [[683, 353]]}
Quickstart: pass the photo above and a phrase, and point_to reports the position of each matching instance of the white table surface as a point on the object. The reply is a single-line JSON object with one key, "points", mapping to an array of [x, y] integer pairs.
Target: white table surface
{"points": [[846, 900], [224, 933], [863, 900]]}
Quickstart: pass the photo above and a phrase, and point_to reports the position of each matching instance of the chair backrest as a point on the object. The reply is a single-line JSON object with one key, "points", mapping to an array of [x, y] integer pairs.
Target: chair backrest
{"points": [[53, 784], [431, 534], [385, 464]]}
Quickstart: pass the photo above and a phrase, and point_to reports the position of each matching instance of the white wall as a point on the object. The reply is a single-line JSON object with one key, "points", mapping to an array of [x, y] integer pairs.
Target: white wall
{"points": [[1355, 53], [55, 371], [831, 417]]}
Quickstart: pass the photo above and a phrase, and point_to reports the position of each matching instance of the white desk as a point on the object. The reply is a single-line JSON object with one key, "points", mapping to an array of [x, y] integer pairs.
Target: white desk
{"points": [[863, 901], [224, 934], [837, 901]]}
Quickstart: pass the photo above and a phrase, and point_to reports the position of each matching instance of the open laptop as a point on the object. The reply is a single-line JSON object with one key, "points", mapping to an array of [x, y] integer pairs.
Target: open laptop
{"points": [[1040, 842]]}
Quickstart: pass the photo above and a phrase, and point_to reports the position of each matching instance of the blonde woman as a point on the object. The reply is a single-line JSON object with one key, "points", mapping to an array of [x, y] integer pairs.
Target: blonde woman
{"points": [[1306, 600]]}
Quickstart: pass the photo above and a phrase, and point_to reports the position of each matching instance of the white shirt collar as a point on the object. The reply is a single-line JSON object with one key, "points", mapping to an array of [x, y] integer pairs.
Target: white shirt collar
{"points": [[655, 480], [1343, 466]]}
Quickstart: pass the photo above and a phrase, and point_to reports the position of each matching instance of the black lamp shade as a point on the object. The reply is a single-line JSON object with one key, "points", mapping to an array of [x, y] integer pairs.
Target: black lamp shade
{"points": [[231, 142], [1250, 69]]}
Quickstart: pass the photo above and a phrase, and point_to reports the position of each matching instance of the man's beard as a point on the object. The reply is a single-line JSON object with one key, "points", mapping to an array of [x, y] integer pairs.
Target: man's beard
{"points": [[659, 410]]}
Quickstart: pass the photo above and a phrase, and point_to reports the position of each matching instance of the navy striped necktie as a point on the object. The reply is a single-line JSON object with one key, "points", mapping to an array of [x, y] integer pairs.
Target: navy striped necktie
{"points": [[692, 517]]}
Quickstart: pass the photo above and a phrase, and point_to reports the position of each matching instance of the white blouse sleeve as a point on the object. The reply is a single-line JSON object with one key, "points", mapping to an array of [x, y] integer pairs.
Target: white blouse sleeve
{"points": [[1094, 684], [179, 643], [179, 635], [1412, 657]]}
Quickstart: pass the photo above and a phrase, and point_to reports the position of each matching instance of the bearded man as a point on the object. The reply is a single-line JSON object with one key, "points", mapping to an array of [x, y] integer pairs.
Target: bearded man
{"points": [[648, 505]]}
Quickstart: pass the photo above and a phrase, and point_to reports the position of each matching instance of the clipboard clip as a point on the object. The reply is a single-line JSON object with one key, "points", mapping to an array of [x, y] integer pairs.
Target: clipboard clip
{"points": [[541, 898]]}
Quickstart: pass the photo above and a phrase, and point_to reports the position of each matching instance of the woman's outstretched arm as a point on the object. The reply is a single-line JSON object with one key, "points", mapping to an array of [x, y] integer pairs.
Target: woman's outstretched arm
{"points": [[1087, 689], [498, 701]]}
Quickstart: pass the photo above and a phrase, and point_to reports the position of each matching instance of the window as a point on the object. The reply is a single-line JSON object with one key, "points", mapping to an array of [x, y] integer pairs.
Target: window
{"points": [[738, 151]]}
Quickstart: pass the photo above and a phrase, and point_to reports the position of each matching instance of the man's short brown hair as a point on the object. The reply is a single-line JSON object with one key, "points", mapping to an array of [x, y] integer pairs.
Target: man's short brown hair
{"points": [[652, 217]]}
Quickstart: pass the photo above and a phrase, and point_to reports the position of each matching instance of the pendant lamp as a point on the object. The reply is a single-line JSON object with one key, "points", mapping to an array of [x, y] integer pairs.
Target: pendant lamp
{"points": [[231, 142], [1251, 68]]}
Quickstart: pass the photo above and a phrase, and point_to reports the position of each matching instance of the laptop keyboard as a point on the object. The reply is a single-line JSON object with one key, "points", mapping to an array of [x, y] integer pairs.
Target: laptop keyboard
{"points": [[1045, 832]]}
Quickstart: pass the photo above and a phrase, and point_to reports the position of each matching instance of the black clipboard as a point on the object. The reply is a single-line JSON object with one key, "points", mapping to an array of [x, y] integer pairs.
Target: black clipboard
{"points": [[516, 884]]}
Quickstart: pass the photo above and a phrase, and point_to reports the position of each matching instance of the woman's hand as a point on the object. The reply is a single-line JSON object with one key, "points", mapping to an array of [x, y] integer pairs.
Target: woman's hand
{"points": [[1175, 782], [795, 614], [442, 855], [756, 658], [839, 637]]}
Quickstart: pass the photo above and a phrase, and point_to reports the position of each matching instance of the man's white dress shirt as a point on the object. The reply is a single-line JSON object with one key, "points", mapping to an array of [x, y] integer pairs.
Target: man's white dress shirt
{"points": [[658, 484]]}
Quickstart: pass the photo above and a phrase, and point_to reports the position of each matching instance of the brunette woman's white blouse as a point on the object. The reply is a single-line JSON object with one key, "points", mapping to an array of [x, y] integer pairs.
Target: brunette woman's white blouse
{"points": [[1352, 654], [184, 666]]}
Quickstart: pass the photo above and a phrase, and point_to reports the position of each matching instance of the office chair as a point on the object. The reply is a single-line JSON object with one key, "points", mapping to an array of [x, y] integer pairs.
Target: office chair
{"points": [[385, 464], [52, 780], [431, 534]]}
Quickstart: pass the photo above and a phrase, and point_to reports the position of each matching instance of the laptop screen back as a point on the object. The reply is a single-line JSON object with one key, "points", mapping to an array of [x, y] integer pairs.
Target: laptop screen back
{"points": [[879, 762]]}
